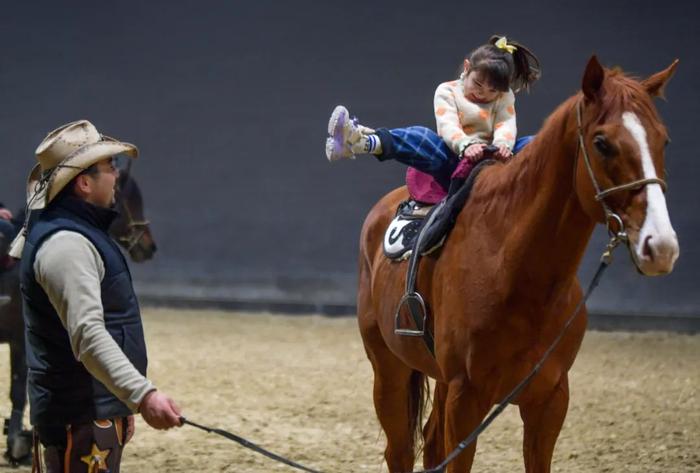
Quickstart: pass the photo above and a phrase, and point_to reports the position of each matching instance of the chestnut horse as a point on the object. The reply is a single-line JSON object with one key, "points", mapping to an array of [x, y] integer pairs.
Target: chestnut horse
{"points": [[503, 285]]}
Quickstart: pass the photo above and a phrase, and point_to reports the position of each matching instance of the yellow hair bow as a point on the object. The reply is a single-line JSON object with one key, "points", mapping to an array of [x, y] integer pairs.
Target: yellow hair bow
{"points": [[503, 44]]}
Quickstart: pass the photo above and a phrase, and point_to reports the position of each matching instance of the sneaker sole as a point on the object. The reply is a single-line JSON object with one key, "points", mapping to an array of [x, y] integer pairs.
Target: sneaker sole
{"points": [[329, 149], [338, 112], [334, 144]]}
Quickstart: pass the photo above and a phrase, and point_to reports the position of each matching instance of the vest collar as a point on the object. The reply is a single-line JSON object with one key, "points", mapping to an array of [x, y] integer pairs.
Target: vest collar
{"points": [[99, 217]]}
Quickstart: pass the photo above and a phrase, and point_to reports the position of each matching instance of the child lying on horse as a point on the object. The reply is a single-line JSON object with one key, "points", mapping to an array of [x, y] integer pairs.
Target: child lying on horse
{"points": [[476, 110]]}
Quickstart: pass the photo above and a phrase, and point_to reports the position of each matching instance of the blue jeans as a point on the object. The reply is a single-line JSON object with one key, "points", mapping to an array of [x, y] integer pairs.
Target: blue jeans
{"points": [[423, 149]]}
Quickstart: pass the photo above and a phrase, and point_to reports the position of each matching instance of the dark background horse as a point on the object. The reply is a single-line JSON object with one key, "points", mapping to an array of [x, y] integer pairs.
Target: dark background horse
{"points": [[133, 233]]}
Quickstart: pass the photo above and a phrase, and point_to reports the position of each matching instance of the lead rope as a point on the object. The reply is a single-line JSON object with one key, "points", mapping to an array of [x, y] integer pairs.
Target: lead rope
{"points": [[249, 445], [605, 261]]}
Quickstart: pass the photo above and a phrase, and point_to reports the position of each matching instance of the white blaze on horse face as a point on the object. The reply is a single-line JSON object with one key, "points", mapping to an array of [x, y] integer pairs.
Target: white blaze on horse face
{"points": [[657, 247]]}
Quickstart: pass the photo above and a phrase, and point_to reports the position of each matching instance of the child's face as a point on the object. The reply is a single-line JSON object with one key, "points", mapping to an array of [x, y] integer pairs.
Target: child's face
{"points": [[477, 89]]}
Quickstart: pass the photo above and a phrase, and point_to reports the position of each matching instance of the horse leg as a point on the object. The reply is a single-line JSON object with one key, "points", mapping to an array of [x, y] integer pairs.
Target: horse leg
{"points": [[434, 443], [398, 392], [464, 409], [542, 424]]}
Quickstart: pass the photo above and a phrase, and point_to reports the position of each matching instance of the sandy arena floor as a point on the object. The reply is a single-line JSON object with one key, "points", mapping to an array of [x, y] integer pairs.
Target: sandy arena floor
{"points": [[301, 386]]}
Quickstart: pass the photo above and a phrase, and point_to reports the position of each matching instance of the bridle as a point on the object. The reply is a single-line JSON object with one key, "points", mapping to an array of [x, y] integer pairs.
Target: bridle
{"points": [[600, 195], [136, 228]]}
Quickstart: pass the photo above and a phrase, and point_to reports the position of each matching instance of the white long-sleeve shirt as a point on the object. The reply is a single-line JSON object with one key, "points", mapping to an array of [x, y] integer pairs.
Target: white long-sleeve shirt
{"points": [[461, 122], [69, 269]]}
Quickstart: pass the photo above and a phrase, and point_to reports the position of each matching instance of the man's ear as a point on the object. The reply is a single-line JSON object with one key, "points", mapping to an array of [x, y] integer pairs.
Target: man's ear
{"points": [[82, 185]]}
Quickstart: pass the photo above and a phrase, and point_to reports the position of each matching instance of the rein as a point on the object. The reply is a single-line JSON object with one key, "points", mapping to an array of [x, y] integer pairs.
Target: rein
{"points": [[605, 261], [616, 237], [247, 444]]}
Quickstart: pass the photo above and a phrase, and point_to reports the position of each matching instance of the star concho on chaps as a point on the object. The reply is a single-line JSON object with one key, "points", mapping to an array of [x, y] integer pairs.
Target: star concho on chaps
{"points": [[96, 446], [96, 460]]}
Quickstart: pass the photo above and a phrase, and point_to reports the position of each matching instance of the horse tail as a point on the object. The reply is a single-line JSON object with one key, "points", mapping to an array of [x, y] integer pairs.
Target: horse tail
{"points": [[419, 398]]}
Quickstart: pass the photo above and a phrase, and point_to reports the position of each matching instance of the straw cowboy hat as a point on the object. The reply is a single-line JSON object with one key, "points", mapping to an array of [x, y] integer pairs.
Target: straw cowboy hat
{"points": [[63, 154]]}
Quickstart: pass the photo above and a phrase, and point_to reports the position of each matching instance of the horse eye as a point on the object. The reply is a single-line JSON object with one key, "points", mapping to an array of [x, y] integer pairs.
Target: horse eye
{"points": [[603, 146]]}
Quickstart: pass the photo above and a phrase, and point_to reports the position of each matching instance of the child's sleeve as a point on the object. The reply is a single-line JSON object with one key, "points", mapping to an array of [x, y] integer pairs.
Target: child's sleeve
{"points": [[505, 128], [449, 126]]}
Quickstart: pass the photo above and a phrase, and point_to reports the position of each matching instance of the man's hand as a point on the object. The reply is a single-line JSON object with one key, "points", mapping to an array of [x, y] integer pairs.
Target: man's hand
{"points": [[5, 213], [474, 152], [503, 153], [159, 411]]}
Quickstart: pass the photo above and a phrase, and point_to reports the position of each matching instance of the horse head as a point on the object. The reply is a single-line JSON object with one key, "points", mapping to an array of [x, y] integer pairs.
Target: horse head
{"points": [[130, 228], [620, 170]]}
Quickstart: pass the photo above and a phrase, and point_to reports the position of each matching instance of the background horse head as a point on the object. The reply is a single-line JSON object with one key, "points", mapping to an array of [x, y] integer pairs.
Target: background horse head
{"points": [[131, 229]]}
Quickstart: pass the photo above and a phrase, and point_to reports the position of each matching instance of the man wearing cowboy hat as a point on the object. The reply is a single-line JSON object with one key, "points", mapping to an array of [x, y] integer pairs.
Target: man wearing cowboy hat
{"points": [[85, 345]]}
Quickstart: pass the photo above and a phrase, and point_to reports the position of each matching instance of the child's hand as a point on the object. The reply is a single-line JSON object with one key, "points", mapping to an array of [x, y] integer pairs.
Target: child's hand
{"points": [[474, 152], [503, 153]]}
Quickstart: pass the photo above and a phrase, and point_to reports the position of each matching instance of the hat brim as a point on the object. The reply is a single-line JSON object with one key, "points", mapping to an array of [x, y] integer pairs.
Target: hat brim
{"points": [[39, 193]]}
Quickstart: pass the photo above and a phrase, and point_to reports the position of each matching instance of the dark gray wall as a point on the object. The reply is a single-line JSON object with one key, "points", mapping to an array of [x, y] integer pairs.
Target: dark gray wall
{"points": [[229, 101]]}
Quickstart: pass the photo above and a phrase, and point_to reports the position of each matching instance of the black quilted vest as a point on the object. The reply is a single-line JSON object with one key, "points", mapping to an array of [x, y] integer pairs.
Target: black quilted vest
{"points": [[61, 391]]}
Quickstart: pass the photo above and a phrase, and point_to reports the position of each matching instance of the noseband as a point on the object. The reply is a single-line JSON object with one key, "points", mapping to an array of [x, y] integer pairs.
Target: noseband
{"points": [[601, 194], [136, 228]]}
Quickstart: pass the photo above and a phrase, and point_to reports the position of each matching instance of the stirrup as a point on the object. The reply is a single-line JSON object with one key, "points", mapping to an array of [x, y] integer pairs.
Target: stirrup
{"points": [[416, 307]]}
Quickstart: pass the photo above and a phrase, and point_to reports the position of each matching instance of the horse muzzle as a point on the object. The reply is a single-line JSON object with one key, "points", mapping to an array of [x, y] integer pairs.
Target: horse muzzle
{"points": [[654, 254]]}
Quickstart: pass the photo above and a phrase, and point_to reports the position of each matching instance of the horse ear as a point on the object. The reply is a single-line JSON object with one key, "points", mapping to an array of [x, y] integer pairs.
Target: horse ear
{"points": [[592, 79], [656, 83]]}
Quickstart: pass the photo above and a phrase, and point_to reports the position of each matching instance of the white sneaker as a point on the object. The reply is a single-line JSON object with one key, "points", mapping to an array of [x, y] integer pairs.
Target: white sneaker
{"points": [[344, 134]]}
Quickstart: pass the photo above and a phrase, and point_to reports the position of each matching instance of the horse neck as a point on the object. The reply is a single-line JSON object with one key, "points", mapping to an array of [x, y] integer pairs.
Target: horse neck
{"points": [[543, 227]]}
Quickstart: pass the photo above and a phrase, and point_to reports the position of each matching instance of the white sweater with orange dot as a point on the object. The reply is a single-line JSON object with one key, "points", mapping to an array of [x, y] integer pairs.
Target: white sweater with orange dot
{"points": [[461, 122]]}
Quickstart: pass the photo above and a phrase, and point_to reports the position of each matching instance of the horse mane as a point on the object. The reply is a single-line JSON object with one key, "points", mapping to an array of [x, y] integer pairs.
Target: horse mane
{"points": [[519, 179], [517, 182]]}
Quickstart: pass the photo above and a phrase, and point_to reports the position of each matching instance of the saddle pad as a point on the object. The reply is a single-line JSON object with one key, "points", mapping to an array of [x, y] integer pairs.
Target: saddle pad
{"points": [[405, 229], [400, 236]]}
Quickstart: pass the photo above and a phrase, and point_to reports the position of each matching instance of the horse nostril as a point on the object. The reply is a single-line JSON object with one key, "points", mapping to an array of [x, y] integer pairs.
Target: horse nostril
{"points": [[154, 248], [647, 250]]}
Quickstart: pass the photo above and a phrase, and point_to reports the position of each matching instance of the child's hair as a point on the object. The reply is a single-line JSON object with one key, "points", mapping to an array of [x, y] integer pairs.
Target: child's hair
{"points": [[503, 69]]}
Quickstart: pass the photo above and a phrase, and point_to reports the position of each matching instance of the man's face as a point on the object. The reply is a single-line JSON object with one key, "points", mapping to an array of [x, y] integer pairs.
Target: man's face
{"points": [[102, 184]]}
